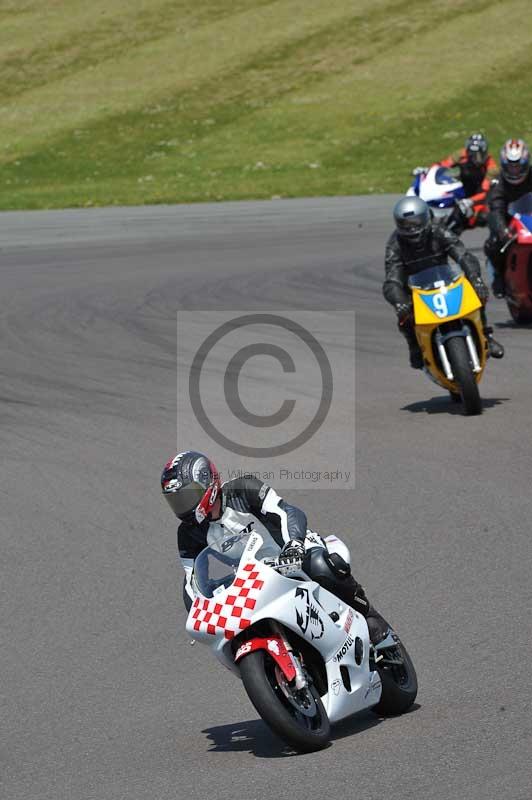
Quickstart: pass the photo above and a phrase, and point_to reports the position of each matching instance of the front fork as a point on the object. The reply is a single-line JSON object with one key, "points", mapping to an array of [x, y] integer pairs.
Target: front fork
{"points": [[300, 679], [441, 338]]}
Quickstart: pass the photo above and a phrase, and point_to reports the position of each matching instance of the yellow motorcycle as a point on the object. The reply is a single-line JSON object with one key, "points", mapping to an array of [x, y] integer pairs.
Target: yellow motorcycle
{"points": [[450, 333]]}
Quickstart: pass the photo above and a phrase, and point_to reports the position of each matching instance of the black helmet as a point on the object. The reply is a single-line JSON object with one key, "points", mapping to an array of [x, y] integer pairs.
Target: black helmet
{"points": [[476, 148], [515, 161], [412, 218], [190, 484]]}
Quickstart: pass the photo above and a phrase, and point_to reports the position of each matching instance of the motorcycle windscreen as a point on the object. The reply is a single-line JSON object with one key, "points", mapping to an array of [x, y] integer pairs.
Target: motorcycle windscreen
{"points": [[435, 277], [216, 566], [522, 206], [214, 571], [448, 175], [522, 209]]}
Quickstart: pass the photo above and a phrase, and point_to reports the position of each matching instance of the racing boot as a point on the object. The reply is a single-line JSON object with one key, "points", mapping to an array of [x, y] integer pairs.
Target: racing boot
{"points": [[377, 626], [495, 349], [416, 357], [498, 288]]}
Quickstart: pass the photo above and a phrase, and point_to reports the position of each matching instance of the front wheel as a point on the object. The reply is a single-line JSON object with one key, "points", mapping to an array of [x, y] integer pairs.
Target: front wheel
{"points": [[464, 376], [297, 716]]}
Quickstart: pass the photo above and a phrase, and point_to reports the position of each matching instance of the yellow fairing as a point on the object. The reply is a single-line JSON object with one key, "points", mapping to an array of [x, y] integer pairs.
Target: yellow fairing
{"points": [[423, 314], [426, 321]]}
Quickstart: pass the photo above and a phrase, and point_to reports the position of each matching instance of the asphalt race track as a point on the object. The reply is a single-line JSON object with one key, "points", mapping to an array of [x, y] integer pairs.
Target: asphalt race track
{"points": [[103, 696]]}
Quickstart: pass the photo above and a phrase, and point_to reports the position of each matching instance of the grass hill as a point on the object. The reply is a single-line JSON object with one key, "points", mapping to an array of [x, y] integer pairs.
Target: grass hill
{"points": [[149, 101]]}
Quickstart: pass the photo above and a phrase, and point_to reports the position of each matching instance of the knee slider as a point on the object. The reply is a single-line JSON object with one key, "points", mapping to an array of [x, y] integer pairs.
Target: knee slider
{"points": [[339, 565], [331, 571]]}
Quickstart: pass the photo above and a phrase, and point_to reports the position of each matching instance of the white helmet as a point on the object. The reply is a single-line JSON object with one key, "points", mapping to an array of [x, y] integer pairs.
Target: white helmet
{"points": [[515, 161]]}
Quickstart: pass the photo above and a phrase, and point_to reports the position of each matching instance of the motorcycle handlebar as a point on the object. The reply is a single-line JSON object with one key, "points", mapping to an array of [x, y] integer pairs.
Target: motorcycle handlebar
{"points": [[283, 564], [505, 246]]}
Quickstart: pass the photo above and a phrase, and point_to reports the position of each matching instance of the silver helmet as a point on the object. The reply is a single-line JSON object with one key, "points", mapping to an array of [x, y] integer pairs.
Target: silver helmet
{"points": [[412, 218]]}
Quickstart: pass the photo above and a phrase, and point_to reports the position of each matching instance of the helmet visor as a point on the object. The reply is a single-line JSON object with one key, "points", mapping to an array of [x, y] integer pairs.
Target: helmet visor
{"points": [[476, 156], [515, 171], [183, 501], [411, 227]]}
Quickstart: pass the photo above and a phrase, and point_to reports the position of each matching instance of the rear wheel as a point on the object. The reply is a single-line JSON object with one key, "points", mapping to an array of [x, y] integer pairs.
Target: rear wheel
{"points": [[399, 680], [297, 716], [463, 374], [518, 316]]}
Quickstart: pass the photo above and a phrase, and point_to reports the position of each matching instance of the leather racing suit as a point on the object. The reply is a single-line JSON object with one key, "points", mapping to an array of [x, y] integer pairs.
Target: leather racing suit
{"points": [[404, 258], [501, 195], [247, 499], [476, 180]]}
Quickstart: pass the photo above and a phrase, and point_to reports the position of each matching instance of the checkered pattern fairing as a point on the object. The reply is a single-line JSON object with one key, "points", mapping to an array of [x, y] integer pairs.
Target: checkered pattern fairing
{"points": [[232, 614]]}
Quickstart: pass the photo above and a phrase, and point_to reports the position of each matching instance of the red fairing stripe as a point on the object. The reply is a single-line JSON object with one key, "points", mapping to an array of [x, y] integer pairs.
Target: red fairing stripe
{"points": [[520, 228], [275, 647], [210, 495]]}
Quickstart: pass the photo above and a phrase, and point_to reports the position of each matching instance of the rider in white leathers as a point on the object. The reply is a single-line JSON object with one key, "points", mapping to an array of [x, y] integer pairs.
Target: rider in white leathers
{"points": [[191, 484]]}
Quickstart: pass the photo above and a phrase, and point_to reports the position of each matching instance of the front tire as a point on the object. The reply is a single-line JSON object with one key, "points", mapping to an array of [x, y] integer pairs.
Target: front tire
{"points": [[463, 374], [298, 718], [399, 681]]}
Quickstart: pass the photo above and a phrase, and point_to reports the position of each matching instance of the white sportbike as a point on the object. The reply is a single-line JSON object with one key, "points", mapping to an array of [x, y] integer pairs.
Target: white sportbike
{"points": [[304, 657]]}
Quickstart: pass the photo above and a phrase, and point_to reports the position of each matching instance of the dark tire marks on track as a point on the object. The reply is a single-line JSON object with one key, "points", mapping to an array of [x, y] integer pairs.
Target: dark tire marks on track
{"points": [[104, 698]]}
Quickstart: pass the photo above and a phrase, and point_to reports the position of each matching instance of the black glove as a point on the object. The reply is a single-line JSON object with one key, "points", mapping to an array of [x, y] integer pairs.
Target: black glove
{"points": [[294, 550], [404, 312], [481, 289]]}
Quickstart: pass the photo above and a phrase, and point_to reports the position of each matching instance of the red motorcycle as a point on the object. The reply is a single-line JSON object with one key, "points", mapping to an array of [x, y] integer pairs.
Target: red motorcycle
{"points": [[518, 271]]}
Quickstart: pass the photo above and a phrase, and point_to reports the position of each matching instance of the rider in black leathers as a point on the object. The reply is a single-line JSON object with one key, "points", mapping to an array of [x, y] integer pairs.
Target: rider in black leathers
{"points": [[514, 181], [191, 484], [411, 249]]}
